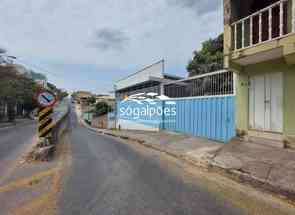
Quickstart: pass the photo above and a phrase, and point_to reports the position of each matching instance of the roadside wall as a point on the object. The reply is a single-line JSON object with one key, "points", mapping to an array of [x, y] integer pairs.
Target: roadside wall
{"points": [[208, 117], [100, 122], [136, 116], [211, 117]]}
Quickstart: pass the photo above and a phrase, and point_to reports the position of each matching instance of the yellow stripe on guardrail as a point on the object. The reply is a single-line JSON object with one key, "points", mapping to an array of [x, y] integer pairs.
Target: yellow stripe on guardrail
{"points": [[45, 122]]}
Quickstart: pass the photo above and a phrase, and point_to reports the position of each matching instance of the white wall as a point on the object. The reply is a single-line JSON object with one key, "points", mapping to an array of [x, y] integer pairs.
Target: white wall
{"points": [[132, 125], [155, 70]]}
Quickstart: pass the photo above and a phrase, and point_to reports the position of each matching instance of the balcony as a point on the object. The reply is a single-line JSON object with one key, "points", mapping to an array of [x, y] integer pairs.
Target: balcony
{"points": [[271, 23]]}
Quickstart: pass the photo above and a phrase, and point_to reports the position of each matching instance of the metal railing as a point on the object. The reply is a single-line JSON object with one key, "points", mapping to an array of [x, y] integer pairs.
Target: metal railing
{"points": [[264, 25], [220, 83]]}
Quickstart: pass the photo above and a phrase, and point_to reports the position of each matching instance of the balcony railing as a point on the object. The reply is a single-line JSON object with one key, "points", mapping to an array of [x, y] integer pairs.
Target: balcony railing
{"points": [[270, 23]]}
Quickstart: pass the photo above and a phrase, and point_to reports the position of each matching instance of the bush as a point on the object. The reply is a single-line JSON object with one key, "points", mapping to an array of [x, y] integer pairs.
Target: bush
{"points": [[102, 108]]}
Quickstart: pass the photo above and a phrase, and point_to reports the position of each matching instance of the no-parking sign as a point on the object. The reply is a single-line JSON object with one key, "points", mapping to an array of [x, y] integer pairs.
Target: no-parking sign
{"points": [[46, 99]]}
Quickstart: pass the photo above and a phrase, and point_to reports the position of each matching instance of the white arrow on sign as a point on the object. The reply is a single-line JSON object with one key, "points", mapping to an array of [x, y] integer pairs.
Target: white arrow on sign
{"points": [[46, 99]]}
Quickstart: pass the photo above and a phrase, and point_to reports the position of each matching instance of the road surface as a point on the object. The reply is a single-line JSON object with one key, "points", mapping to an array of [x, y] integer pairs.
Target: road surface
{"points": [[108, 177], [13, 142]]}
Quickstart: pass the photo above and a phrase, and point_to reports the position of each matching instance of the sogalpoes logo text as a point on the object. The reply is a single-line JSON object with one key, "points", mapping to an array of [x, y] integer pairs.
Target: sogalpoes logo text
{"points": [[147, 106]]}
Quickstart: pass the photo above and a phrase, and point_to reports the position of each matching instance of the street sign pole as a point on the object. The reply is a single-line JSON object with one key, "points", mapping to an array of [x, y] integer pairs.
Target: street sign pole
{"points": [[45, 100]]}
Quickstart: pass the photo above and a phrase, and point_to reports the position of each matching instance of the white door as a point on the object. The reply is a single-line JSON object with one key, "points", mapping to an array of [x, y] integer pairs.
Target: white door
{"points": [[266, 102]]}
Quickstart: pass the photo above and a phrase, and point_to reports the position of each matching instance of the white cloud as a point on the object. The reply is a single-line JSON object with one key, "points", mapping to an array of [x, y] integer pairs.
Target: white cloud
{"points": [[138, 32], [110, 39]]}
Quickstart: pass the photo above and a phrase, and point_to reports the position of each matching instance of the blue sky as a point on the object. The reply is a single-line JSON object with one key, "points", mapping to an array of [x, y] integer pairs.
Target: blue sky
{"points": [[89, 44]]}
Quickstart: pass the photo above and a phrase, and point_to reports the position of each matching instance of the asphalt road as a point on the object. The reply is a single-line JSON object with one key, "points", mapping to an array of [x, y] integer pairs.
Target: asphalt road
{"points": [[108, 177], [13, 141]]}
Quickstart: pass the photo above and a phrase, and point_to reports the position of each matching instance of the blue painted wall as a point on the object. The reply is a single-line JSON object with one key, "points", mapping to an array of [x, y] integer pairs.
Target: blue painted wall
{"points": [[212, 118]]}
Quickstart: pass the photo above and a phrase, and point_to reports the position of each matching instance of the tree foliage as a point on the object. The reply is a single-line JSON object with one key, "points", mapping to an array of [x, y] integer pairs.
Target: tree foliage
{"points": [[208, 59], [60, 94], [74, 95], [102, 108], [16, 89], [91, 100], [37, 76]]}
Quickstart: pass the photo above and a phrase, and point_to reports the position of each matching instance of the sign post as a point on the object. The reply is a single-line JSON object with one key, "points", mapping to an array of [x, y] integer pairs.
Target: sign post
{"points": [[45, 100]]}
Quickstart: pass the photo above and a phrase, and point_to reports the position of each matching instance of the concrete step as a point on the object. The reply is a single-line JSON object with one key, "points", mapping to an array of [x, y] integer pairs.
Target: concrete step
{"points": [[267, 142]]}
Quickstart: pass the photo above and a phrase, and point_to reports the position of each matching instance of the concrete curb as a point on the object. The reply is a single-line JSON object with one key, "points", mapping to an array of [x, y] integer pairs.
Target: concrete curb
{"points": [[234, 174]]}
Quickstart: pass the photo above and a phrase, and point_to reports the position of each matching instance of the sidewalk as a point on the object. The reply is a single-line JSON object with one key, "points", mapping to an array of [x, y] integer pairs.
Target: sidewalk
{"points": [[271, 169]]}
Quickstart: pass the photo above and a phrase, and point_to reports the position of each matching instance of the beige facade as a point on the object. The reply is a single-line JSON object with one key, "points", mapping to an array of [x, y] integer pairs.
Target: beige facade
{"points": [[260, 47]]}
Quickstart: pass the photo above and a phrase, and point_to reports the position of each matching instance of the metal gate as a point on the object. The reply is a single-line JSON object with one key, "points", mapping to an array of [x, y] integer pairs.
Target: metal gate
{"points": [[205, 106], [212, 118]]}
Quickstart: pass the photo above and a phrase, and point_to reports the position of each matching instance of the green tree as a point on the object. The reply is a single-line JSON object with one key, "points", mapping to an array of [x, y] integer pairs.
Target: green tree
{"points": [[37, 76], [63, 94], [208, 59], [16, 90], [102, 108], [60, 94], [52, 87], [91, 100], [74, 95]]}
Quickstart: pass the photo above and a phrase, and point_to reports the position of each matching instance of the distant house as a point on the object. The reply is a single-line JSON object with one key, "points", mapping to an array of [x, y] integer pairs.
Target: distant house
{"points": [[82, 96], [259, 45]]}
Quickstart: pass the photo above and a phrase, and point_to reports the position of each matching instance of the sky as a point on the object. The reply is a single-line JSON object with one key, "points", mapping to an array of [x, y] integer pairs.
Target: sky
{"points": [[89, 44]]}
